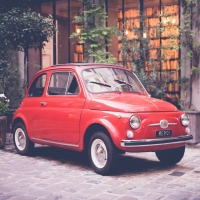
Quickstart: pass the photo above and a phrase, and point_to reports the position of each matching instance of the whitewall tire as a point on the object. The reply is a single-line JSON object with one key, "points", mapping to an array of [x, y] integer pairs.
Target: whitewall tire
{"points": [[23, 144], [102, 153]]}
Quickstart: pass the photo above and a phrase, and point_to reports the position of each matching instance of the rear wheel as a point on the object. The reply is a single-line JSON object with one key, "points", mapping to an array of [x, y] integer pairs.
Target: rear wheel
{"points": [[102, 153], [23, 144], [171, 156]]}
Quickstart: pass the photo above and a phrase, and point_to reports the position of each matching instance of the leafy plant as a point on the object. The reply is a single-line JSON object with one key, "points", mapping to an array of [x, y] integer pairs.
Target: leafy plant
{"points": [[26, 30], [4, 104], [20, 29], [145, 56], [93, 32], [5, 44], [191, 50], [11, 83]]}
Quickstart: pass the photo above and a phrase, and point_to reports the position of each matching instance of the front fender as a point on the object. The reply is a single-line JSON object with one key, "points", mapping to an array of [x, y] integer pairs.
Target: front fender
{"points": [[103, 119]]}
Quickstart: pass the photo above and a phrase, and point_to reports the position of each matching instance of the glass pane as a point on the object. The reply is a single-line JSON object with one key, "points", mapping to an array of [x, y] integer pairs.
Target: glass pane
{"points": [[72, 86], [47, 51], [62, 22], [35, 8], [151, 31], [131, 14], [37, 87], [58, 83], [170, 40], [76, 50], [131, 25], [100, 80]]}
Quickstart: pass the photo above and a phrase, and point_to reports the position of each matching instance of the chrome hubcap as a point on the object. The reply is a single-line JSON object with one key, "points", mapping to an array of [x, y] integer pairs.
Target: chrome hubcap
{"points": [[99, 153]]}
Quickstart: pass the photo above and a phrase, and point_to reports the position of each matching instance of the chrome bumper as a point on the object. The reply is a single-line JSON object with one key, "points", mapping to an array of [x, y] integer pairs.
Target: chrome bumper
{"points": [[154, 142]]}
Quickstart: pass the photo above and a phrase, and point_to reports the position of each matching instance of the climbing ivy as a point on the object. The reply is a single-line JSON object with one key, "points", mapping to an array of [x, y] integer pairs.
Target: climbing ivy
{"points": [[190, 27], [94, 33]]}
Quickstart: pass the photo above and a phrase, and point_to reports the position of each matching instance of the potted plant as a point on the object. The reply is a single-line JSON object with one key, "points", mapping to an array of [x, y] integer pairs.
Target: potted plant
{"points": [[190, 54]]}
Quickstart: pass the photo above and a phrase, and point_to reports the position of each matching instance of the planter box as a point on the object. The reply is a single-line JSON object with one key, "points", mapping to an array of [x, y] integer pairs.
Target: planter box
{"points": [[194, 126], [3, 130]]}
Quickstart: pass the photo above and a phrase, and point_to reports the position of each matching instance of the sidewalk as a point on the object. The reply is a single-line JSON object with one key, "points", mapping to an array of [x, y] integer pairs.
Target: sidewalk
{"points": [[53, 173]]}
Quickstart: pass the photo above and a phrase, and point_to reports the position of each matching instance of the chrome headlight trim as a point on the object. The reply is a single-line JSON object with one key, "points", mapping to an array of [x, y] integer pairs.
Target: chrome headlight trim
{"points": [[185, 120], [135, 122]]}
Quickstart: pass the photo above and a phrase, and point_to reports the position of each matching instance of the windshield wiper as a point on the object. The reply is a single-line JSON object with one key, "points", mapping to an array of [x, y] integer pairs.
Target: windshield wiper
{"points": [[125, 83], [99, 83], [122, 82]]}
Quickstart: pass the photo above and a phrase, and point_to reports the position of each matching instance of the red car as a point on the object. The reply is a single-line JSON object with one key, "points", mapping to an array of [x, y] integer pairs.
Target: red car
{"points": [[100, 108]]}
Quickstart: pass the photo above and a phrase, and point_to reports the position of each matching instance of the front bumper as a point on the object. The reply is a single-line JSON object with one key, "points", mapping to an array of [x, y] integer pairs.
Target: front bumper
{"points": [[154, 142]]}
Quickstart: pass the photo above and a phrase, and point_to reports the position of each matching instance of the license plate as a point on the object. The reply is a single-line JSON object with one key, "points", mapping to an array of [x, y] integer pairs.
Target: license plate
{"points": [[163, 133]]}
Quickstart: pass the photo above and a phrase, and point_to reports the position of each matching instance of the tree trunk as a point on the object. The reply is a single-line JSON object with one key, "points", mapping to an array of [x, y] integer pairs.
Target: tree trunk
{"points": [[26, 71]]}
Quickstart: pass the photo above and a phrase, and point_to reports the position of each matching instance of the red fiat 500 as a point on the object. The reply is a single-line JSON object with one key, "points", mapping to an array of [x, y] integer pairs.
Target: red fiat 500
{"points": [[103, 109]]}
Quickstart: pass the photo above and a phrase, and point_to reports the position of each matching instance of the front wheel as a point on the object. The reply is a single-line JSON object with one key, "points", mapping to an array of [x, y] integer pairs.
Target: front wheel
{"points": [[102, 153], [23, 144], [171, 156]]}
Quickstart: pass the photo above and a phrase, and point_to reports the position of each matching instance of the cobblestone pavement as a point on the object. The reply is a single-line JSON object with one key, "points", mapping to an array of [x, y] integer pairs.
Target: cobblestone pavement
{"points": [[55, 174]]}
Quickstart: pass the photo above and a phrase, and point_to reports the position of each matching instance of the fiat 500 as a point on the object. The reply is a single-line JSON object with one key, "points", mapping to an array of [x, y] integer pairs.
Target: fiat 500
{"points": [[101, 109]]}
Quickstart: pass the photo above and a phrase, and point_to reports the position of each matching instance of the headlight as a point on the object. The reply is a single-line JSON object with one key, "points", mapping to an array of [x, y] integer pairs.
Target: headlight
{"points": [[135, 122], [184, 119]]}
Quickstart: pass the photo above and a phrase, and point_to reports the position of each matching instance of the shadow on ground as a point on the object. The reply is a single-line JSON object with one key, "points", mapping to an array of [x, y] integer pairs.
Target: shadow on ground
{"points": [[126, 163]]}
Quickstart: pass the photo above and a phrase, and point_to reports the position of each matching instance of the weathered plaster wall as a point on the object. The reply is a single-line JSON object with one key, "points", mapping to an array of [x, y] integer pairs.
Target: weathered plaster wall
{"points": [[185, 72]]}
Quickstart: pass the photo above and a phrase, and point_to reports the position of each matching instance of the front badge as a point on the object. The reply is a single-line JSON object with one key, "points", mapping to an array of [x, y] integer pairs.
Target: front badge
{"points": [[163, 123]]}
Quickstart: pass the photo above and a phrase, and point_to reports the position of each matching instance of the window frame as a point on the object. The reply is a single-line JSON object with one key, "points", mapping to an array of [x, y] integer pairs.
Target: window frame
{"points": [[66, 95], [36, 79]]}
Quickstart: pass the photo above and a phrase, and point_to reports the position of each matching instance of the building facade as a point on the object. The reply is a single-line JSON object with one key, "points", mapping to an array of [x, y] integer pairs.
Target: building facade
{"points": [[62, 49]]}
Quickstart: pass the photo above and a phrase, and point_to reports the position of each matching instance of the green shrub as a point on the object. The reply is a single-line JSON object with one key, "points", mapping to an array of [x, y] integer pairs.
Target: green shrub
{"points": [[4, 104]]}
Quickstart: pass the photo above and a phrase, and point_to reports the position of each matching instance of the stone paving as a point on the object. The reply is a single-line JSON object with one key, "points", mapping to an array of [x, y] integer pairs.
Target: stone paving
{"points": [[55, 174]]}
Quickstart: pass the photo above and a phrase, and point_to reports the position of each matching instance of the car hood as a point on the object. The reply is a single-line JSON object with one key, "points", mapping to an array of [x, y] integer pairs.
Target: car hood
{"points": [[129, 103]]}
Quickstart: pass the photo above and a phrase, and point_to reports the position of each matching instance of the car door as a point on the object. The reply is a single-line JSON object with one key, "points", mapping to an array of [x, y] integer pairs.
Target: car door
{"points": [[31, 104], [61, 112]]}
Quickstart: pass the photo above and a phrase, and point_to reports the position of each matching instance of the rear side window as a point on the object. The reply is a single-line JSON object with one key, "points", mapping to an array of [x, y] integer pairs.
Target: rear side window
{"points": [[37, 87], [63, 83]]}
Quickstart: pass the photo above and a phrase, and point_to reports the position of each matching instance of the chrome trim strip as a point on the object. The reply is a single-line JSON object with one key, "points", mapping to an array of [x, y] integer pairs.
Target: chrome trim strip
{"points": [[154, 124], [59, 143], [158, 124], [155, 142], [152, 145]]}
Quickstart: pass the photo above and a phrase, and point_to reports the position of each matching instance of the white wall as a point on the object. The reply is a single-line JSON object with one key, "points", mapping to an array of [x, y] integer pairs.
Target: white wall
{"points": [[21, 64]]}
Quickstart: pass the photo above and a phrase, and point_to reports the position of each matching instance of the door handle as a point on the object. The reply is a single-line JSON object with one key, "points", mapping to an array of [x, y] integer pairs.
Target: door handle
{"points": [[42, 103]]}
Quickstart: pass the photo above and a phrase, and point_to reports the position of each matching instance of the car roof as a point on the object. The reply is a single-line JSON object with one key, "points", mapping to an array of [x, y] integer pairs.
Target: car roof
{"points": [[84, 65]]}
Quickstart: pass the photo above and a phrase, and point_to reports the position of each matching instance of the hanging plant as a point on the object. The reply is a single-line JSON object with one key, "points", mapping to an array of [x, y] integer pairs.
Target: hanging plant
{"points": [[93, 32]]}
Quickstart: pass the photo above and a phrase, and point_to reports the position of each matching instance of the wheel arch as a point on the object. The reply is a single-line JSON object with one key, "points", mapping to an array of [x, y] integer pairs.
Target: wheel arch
{"points": [[17, 120], [91, 129]]}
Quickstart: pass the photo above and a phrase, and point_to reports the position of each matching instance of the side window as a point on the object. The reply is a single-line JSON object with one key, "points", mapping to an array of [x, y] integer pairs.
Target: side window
{"points": [[58, 83], [73, 87], [63, 83], [37, 87]]}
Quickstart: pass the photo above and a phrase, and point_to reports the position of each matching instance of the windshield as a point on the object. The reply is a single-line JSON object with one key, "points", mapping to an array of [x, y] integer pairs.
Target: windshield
{"points": [[100, 80]]}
